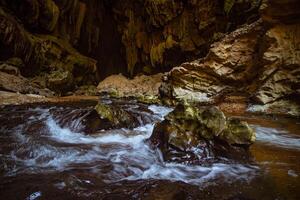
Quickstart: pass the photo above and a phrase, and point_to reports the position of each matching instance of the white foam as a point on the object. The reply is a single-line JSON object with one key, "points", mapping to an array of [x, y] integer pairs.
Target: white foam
{"points": [[125, 150], [277, 137], [161, 111]]}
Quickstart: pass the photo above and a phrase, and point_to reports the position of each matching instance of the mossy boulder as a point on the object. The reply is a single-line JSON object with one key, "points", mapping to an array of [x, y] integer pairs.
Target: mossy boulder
{"points": [[60, 81], [195, 129], [118, 117], [238, 132]]}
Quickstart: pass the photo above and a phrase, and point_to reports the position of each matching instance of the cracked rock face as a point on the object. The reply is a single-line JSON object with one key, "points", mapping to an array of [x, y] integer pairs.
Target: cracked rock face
{"points": [[229, 66], [260, 61]]}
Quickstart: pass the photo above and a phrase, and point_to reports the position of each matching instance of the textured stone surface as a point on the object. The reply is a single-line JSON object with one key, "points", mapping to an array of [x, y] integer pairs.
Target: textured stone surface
{"points": [[280, 75], [229, 66], [166, 33], [19, 84], [259, 63], [60, 81], [191, 127], [143, 88], [127, 36]]}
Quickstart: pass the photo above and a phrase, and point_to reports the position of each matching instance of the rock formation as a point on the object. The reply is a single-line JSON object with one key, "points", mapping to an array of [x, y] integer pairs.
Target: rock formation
{"points": [[143, 88], [246, 50], [89, 40], [260, 61], [197, 130]]}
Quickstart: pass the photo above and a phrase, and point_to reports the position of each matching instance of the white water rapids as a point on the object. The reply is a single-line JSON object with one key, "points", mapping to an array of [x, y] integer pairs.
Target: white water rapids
{"points": [[113, 155]]}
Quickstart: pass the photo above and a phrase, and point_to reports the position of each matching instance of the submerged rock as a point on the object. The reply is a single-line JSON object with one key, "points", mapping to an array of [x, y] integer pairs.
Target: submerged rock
{"points": [[80, 120], [196, 129]]}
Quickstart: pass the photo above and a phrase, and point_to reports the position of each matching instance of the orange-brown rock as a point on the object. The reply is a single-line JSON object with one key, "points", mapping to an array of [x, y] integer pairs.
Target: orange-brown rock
{"points": [[144, 88], [259, 62], [229, 67]]}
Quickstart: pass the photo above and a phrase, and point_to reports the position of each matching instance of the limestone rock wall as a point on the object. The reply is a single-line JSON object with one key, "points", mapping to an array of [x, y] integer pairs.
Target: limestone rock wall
{"points": [[260, 61], [158, 35], [127, 36]]}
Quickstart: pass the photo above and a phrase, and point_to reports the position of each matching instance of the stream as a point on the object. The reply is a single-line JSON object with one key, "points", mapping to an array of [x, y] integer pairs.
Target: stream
{"points": [[46, 155]]}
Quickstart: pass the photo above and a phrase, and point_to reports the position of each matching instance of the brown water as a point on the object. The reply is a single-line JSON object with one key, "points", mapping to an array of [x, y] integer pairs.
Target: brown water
{"points": [[45, 155]]}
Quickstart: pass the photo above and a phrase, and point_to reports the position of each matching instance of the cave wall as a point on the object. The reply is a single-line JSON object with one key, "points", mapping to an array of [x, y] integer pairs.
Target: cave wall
{"points": [[160, 34], [118, 36], [256, 65]]}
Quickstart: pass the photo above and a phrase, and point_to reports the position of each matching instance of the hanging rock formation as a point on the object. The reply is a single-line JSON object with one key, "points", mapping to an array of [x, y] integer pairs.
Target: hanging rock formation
{"points": [[90, 40]]}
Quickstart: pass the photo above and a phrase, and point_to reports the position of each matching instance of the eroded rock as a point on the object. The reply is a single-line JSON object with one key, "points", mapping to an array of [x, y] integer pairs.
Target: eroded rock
{"points": [[118, 117], [259, 65]]}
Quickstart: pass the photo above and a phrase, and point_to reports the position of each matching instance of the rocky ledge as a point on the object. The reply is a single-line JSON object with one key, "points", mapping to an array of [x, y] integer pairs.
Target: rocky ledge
{"points": [[143, 88], [258, 64]]}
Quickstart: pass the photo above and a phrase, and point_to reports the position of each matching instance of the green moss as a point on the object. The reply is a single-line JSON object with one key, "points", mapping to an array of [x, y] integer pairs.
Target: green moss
{"points": [[105, 111], [228, 4], [238, 132], [148, 99], [157, 52]]}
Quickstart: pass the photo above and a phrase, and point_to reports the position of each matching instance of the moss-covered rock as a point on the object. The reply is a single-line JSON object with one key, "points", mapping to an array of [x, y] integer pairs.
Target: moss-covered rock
{"points": [[118, 117], [191, 127], [60, 81], [238, 132]]}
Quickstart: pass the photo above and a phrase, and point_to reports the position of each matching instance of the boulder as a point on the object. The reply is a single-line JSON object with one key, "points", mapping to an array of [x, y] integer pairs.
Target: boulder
{"points": [[124, 113], [196, 129], [143, 88], [60, 81], [118, 117]]}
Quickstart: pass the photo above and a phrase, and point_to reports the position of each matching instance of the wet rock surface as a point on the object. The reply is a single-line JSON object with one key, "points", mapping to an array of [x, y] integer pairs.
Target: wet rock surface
{"points": [[199, 130], [119, 115]]}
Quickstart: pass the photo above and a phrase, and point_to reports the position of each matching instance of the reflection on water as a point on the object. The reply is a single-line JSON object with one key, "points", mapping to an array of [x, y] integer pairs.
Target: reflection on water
{"points": [[119, 163]]}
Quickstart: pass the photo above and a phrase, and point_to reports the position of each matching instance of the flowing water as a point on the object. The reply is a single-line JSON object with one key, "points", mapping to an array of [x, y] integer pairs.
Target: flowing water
{"points": [[45, 154]]}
